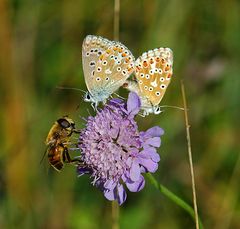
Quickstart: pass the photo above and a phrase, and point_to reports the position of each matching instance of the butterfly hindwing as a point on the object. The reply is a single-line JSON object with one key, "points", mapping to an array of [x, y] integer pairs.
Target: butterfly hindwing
{"points": [[106, 65], [153, 73], [113, 67]]}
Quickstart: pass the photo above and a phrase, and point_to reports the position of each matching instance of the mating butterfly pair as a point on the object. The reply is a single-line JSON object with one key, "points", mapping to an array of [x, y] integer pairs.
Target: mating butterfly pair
{"points": [[107, 65]]}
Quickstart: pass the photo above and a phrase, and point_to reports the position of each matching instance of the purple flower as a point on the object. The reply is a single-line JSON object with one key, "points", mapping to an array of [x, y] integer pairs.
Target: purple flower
{"points": [[114, 152]]}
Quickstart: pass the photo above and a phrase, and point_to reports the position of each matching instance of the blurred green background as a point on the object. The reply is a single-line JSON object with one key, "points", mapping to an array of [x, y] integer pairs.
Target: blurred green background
{"points": [[40, 48]]}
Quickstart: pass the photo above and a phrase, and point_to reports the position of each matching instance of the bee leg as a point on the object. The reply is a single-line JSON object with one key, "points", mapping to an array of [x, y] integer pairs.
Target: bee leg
{"points": [[67, 158]]}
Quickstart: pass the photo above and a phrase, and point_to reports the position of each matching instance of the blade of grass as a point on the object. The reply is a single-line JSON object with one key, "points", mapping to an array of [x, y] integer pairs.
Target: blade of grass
{"points": [[115, 206], [116, 19], [190, 154], [174, 198]]}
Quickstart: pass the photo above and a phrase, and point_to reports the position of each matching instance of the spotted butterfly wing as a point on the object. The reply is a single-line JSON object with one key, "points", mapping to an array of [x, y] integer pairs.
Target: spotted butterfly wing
{"points": [[153, 71], [106, 65]]}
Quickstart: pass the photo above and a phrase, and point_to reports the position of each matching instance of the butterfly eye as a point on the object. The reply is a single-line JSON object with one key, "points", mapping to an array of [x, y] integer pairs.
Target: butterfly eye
{"points": [[112, 56], [147, 76], [87, 54], [150, 89], [157, 93], [156, 70], [99, 69], [92, 50], [163, 86], [88, 97], [119, 62], [157, 111], [107, 78], [145, 87], [151, 72], [142, 75], [140, 82], [160, 70], [99, 53]]}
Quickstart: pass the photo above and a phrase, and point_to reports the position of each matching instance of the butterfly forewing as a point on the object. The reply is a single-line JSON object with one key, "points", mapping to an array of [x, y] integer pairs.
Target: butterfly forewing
{"points": [[92, 48], [114, 66], [153, 72]]}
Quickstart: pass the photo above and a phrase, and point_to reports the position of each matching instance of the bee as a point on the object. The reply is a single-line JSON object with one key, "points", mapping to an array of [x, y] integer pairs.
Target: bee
{"points": [[57, 143]]}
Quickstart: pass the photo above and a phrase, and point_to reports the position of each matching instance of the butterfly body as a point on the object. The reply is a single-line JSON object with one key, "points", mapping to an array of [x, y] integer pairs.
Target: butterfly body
{"points": [[153, 72], [106, 65]]}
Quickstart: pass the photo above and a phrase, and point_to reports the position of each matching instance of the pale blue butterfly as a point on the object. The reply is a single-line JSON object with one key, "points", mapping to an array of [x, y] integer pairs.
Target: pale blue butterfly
{"points": [[106, 66]]}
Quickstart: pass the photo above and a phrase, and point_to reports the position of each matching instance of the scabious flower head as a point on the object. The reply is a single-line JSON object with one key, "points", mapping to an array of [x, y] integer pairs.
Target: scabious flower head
{"points": [[114, 152]]}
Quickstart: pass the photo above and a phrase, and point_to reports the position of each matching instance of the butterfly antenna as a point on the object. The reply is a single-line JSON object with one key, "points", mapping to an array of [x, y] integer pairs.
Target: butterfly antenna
{"points": [[70, 88], [176, 107], [89, 112]]}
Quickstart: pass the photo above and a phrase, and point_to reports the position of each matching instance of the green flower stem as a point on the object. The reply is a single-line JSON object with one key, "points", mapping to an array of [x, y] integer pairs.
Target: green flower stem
{"points": [[173, 197]]}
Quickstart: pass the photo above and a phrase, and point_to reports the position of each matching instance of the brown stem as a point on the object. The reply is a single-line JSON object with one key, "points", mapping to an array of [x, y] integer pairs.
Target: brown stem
{"points": [[190, 154]]}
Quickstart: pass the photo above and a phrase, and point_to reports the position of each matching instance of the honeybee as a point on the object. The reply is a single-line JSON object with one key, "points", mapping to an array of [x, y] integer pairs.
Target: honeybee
{"points": [[57, 143]]}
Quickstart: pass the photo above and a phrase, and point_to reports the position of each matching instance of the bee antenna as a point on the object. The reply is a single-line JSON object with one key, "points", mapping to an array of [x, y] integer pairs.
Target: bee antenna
{"points": [[70, 88]]}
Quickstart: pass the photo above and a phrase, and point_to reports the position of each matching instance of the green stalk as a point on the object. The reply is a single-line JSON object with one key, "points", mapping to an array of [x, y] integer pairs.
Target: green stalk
{"points": [[174, 198]]}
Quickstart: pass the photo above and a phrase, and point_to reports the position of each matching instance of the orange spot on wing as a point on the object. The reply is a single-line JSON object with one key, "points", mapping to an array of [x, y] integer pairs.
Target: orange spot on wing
{"points": [[145, 64], [167, 68], [101, 57]]}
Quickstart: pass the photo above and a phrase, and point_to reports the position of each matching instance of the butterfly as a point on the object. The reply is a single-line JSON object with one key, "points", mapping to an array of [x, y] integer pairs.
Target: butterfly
{"points": [[106, 66], [153, 72]]}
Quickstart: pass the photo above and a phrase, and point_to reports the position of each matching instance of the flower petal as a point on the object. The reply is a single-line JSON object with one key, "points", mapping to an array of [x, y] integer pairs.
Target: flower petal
{"points": [[83, 170], [135, 171], [133, 103], [110, 184], [109, 194], [150, 153], [121, 194], [155, 131], [155, 141], [149, 164], [136, 186]]}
